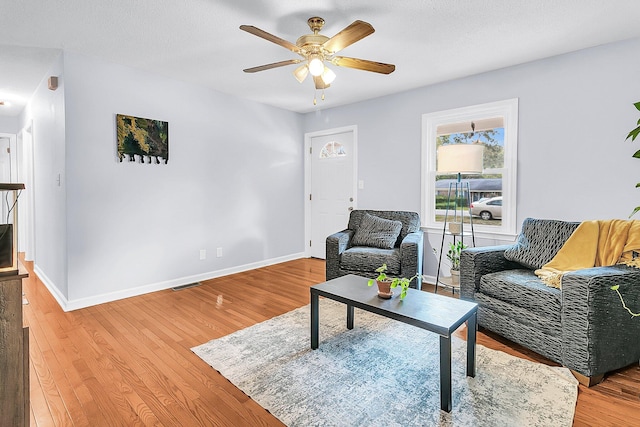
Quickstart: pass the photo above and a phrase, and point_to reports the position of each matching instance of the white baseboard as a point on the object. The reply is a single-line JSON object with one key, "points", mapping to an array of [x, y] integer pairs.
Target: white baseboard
{"points": [[53, 289], [69, 305]]}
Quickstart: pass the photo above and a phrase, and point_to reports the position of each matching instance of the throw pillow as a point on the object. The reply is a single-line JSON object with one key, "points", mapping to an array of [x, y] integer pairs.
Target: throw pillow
{"points": [[539, 241], [377, 232]]}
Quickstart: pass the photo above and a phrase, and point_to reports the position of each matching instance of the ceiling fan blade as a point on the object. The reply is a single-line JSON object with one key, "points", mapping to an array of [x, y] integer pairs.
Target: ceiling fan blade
{"points": [[270, 37], [351, 34], [272, 65], [363, 64], [320, 84]]}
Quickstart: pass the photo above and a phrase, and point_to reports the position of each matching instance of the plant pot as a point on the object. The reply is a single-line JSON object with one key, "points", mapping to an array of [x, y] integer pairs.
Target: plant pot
{"points": [[455, 278], [384, 289]]}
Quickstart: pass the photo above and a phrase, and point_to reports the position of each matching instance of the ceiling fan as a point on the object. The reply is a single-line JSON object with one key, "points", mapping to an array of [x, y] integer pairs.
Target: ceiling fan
{"points": [[317, 49]]}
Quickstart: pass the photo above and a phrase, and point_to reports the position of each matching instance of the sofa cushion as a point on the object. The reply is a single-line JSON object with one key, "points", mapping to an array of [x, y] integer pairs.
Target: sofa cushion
{"points": [[522, 288], [539, 241], [366, 259], [377, 232]]}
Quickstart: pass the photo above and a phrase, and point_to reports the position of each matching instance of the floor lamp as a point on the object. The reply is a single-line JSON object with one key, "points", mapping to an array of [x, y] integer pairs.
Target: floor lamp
{"points": [[458, 159]]}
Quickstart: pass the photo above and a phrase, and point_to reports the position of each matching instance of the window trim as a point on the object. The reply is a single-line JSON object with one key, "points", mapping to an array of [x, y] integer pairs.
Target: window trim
{"points": [[430, 122]]}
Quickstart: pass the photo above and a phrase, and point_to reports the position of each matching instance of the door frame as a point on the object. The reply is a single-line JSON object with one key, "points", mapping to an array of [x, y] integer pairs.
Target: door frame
{"points": [[26, 174], [12, 171], [12, 155], [307, 176]]}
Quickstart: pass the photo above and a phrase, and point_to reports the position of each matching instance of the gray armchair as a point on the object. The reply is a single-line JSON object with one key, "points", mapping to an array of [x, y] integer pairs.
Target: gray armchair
{"points": [[403, 254], [582, 326]]}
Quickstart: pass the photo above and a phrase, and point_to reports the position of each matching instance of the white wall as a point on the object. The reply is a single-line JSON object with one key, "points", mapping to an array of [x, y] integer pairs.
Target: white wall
{"points": [[46, 113], [234, 180], [8, 124], [575, 111]]}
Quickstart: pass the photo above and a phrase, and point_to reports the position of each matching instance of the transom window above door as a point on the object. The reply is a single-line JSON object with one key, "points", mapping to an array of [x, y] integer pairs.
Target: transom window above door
{"points": [[332, 149]]}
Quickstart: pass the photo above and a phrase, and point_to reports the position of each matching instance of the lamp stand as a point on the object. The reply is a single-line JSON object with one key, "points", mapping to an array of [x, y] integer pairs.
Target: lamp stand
{"points": [[458, 189]]}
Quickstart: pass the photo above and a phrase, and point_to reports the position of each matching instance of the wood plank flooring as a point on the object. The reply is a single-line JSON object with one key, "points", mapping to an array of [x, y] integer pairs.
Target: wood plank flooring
{"points": [[129, 363]]}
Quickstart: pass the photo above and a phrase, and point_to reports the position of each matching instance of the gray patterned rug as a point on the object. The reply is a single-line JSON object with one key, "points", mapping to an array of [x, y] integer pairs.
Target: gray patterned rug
{"points": [[382, 373]]}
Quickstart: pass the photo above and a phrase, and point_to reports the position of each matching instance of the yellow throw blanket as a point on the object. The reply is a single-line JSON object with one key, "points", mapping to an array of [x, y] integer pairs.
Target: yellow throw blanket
{"points": [[594, 244]]}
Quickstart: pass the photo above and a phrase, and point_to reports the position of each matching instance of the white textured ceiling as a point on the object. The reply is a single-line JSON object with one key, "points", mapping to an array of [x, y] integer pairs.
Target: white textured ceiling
{"points": [[199, 41]]}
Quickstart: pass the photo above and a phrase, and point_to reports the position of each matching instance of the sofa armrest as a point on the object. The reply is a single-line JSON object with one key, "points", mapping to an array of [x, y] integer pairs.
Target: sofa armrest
{"points": [[335, 245], [476, 262], [411, 255], [598, 334]]}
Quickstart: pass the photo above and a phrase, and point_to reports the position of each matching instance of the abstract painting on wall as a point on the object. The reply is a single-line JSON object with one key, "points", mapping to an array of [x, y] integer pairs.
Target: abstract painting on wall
{"points": [[145, 138]]}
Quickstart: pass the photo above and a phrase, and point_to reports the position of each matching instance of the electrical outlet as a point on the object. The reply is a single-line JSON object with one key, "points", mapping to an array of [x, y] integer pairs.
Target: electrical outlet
{"points": [[219, 252], [203, 254]]}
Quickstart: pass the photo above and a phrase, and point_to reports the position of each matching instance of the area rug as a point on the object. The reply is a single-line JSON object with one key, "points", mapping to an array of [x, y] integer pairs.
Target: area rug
{"points": [[383, 373]]}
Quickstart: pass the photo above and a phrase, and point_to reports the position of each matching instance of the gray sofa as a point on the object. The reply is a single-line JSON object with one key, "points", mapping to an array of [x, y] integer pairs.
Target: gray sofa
{"points": [[403, 255], [582, 326]]}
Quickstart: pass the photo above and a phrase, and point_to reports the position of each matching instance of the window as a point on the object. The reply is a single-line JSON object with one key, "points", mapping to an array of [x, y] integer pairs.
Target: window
{"points": [[494, 126], [332, 149]]}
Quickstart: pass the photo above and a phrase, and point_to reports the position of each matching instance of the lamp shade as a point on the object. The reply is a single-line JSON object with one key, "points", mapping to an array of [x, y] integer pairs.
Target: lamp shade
{"points": [[460, 158], [328, 76], [301, 72]]}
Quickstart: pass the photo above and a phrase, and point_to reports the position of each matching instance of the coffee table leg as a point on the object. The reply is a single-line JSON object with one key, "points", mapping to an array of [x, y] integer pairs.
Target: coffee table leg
{"points": [[471, 345], [315, 318], [445, 373], [350, 316]]}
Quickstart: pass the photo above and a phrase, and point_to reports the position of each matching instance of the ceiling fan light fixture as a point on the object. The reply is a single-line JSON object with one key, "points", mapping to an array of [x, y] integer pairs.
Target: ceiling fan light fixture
{"points": [[315, 48], [316, 66], [301, 72], [328, 76]]}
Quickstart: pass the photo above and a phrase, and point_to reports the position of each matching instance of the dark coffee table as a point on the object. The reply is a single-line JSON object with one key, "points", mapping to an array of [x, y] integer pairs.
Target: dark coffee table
{"points": [[435, 313]]}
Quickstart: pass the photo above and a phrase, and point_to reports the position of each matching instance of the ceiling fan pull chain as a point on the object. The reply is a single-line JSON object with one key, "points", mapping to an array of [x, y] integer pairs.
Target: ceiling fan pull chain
{"points": [[315, 102], [322, 94]]}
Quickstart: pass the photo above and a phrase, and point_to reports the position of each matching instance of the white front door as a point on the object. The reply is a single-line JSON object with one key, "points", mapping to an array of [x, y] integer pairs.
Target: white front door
{"points": [[332, 184]]}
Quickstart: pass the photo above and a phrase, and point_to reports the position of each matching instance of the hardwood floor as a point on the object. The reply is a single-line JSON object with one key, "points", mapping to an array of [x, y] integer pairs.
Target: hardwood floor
{"points": [[129, 363]]}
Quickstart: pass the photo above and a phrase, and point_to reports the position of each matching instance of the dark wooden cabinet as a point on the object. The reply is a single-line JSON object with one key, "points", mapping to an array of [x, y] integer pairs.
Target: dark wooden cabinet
{"points": [[14, 354]]}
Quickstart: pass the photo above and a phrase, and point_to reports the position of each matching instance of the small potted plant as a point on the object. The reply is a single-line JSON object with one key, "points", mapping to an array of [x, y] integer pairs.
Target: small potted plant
{"points": [[453, 255], [386, 283]]}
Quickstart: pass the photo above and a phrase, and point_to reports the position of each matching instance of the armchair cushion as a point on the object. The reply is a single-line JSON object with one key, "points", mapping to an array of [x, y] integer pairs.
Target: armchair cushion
{"points": [[377, 232], [539, 241], [410, 220], [366, 259]]}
